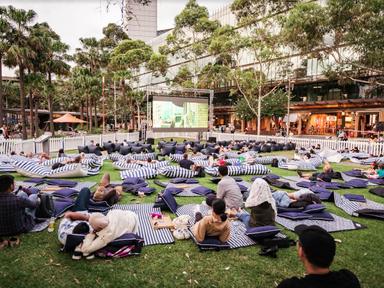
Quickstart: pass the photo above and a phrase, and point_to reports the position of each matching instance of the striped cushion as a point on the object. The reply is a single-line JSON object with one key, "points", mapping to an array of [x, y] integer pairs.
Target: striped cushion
{"points": [[201, 163], [316, 161], [50, 162], [68, 171], [176, 172], [6, 167], [256, 169], [143, 156], [232, 170], [92, 163], [179, 157], [267, 160], [116, 157], [31, 169], [123, 165], [156, 165], [143, 172]]}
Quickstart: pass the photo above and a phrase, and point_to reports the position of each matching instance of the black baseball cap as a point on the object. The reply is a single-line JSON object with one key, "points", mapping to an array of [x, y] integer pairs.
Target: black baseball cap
{"points": [[318, 245]]}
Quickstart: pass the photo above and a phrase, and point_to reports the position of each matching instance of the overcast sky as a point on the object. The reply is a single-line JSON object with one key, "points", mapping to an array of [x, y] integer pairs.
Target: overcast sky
{"points": [[73, 19]]}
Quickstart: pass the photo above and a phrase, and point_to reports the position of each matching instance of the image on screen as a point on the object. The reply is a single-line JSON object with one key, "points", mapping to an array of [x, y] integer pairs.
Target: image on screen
{"points": [[180, 114]]}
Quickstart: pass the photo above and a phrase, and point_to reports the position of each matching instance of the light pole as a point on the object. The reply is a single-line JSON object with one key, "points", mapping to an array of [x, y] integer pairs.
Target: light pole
{"points": [[289, 104], [103, 97]]}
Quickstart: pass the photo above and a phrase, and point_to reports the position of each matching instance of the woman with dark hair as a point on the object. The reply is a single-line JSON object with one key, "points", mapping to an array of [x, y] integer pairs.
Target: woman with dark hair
{"points": [[61, 153], [216, 225]]}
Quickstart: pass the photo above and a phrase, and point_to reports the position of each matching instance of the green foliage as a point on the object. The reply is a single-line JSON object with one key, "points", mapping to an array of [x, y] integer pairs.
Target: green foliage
{"points": [[305, 26], [183, 78], [130, 54], [213, 75], [247, 11], [275, 105], [158, 64]]}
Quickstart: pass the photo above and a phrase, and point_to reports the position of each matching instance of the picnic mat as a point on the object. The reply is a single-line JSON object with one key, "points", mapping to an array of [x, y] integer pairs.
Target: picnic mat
{"points": [[40, 226], [347, 178], [292, 180], [238, 238], [78, 187], [146, 231], [187, 189], [368, 208], [339, 223]]}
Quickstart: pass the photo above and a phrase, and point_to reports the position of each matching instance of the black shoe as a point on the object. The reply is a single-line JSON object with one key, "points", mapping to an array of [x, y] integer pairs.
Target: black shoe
{"points": [[77, 255], [269, 251]]}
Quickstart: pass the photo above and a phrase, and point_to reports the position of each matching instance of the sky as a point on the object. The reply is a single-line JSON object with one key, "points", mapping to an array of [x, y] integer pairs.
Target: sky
{"points": [[73, 19]]}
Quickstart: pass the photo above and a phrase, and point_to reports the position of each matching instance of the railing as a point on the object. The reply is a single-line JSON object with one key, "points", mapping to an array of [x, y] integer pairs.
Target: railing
{"points": [[66, 143], [369, 147]]}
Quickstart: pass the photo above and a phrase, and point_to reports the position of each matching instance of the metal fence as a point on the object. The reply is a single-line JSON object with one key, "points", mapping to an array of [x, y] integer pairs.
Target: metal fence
{"points": [[364, 146]]}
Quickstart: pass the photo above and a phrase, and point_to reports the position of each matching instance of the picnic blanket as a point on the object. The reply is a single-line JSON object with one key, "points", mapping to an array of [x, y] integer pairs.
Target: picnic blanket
{"points": [[366, 208], [339, 223], [237, 239], [146, 231]]}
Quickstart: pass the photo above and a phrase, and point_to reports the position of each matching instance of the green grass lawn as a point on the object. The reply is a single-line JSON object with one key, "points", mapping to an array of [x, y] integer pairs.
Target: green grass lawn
{"points": [[38, 262]]}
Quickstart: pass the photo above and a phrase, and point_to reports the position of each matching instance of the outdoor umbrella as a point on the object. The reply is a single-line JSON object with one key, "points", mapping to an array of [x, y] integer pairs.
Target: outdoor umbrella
{"points": [[68, 118]]}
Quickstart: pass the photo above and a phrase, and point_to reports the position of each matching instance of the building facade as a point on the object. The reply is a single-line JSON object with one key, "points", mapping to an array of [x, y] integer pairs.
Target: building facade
{"points": [[318, 105], [142, 20]]}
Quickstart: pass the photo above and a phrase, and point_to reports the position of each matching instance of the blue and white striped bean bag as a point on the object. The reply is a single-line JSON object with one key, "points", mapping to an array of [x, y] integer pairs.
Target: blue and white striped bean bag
{"points": [[143, 172], [155, 165], [267, 160], [5, 158], [69, 171], [123, 165], [257, 169], [143, 156], [50, 162], [31, 169], [176, 172], [6, 167], [201, 163], [297, 165], [232, 170], [116, 157], [179, 157], [316, 161]]}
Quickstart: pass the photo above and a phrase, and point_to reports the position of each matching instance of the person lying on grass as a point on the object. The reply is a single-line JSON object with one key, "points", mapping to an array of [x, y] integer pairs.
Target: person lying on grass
{"points": [[214, 225], [105, 192], [105, 229], [297, 199], [316, 248], [261, 204], [326, 176], [17, 211]]}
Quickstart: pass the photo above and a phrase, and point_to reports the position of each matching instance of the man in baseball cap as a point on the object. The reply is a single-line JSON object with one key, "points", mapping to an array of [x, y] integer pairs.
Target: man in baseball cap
{"points": [[316, 249]]}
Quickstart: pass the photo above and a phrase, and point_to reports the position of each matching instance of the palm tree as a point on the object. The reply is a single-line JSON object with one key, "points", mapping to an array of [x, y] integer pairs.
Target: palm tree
{"points": [[19, 52], [4, 45], [50, 60]]}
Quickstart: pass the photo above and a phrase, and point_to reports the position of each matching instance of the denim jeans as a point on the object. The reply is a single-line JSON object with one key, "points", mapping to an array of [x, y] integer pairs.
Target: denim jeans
{"points": [[32, 198], [82, 200], [244, 217]]}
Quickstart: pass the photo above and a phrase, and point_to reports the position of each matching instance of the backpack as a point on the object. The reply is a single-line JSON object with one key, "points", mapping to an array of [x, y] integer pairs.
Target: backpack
{"points": [[275, 163], [46, 208]]}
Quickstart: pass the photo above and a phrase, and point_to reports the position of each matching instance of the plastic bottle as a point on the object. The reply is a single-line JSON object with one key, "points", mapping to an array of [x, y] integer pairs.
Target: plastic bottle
{"points": [[51, 226]]}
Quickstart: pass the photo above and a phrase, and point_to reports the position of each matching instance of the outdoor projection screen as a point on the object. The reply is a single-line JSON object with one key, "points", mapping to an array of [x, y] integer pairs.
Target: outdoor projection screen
{"points": [[179, 114]]}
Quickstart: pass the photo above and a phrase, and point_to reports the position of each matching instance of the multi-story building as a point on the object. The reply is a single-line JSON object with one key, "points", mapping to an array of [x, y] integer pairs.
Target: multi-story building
{"points": [[142, 23], [318, 105]]}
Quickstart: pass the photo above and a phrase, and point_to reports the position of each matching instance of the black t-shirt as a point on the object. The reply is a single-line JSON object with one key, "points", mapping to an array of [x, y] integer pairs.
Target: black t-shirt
{"points": [[337, 279], [186, 163]]}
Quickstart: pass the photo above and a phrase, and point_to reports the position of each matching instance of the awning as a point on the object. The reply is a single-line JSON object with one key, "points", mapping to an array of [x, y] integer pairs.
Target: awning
{"points": [[68, 118], [292, 117]]}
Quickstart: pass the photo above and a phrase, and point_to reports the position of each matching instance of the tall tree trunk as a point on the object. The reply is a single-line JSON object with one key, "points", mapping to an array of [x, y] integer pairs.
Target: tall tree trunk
{"points": [[95, 116], [124, 105], [50, 106], [37, 128], [81, 113], [90, 114], [31, 132], [138, 117], [22, 102], [1, 92]]}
